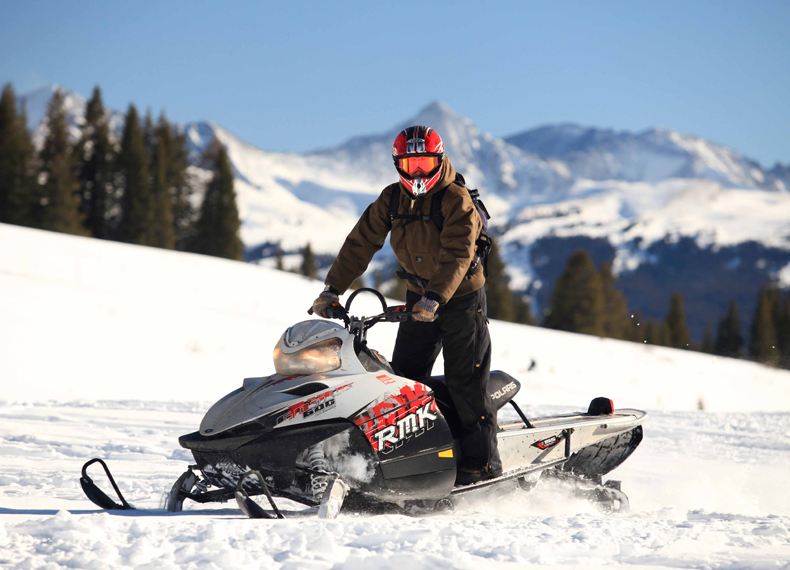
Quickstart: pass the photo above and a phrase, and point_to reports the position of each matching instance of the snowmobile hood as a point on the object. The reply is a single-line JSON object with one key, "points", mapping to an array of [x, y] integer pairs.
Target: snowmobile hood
{"points": [[319, 380], [243, 405]]}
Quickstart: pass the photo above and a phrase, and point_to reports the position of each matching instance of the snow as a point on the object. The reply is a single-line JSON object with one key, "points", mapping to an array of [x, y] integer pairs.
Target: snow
{"points": [[113, 350], [91, 319], [629, 212], [685, 511], [649, 156], [783, 276]]}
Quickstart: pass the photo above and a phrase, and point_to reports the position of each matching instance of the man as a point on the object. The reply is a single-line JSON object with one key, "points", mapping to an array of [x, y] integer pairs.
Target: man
{"points": [[445, 286]]}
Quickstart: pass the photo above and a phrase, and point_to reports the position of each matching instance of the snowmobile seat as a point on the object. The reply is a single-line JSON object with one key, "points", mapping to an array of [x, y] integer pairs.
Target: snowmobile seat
{"points": [[502, 387], [601, 407]]}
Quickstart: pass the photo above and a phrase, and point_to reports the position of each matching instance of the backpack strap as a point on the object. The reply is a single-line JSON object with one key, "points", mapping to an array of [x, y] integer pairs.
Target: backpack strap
{"points": [[393, 207], [484, 242], [435, 215]]}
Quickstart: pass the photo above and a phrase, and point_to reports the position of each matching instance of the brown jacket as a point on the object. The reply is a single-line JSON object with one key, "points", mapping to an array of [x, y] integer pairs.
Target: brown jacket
{"points": [[442, 258]]}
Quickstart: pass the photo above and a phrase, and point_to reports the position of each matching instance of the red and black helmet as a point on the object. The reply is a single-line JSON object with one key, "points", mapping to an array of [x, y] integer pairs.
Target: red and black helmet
{"points": [[418, 153]]}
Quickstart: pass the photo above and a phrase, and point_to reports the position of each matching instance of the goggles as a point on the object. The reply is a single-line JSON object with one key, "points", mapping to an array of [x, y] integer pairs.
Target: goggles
{"points": [[421, 166]]}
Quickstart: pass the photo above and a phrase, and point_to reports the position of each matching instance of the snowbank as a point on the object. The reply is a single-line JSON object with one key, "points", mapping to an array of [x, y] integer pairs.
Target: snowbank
{"points": [[85, 319]]}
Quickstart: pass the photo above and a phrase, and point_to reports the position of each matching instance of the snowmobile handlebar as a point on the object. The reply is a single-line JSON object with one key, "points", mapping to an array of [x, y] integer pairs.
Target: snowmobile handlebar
{"points": [[389, 314], [334, 311]]}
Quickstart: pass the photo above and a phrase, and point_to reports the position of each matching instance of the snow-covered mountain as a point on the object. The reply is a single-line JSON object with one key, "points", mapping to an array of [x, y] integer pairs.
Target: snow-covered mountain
{"points": [[649, 156], [35, 106], [673, 212]]}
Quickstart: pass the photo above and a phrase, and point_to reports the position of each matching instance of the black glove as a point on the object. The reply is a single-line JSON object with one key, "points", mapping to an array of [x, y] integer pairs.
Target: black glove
{"points": [[325, 301]]}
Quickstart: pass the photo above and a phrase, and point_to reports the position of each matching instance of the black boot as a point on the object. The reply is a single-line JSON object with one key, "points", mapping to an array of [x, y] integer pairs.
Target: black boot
{"points": [[469, 475]]}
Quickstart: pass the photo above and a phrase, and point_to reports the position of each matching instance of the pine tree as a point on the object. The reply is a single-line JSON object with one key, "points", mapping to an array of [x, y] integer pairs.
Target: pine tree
{"points": [[308, 267], [181, 188], [17, 163], [137, 205], [149, 134], [522, 310], [783, 332], [278, 256], [636, 332], [168, 158], [650, 332], [577, 302], [58, 207], [708, 344], [217, 228], [163, 227], [676, 323], [762, 346], [499, 296], [96, 155], [616, 321], [729, 339], [657, 333]]}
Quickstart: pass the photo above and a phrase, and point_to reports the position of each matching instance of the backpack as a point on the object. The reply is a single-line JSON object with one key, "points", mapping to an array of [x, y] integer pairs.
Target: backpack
{"points": [[435, 215]]}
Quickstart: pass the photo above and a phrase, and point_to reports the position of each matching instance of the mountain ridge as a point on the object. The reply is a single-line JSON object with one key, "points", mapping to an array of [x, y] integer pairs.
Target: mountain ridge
{"points": [[626, 196]]}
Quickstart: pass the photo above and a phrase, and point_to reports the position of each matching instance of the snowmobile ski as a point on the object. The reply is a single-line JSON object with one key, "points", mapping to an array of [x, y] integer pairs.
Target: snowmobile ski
{"points": [[254, 480], [333, 498], [96, 495]]}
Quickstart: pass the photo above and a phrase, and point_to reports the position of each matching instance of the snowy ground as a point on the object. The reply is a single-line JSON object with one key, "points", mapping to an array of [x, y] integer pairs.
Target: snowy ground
{"points": [[716, 500], [114, 351]]}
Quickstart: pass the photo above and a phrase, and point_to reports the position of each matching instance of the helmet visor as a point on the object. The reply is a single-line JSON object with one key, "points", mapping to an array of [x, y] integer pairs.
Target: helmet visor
{"points": [[419, 166]]}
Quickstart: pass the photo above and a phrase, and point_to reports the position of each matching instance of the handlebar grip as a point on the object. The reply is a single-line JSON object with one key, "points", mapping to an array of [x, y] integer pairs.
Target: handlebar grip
{"points": [[398, 313]]}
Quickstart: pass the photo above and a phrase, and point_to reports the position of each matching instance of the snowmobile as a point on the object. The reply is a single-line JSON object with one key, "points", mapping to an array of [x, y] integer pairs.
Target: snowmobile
{"points": [[335, 427]]}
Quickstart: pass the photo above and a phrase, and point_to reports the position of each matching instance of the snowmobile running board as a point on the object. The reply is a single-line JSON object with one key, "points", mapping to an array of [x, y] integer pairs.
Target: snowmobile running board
{"points": [[516, 473]]}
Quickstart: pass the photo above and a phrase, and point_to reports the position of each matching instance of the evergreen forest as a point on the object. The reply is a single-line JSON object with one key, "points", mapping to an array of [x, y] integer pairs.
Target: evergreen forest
{"points": [[136, 188]]}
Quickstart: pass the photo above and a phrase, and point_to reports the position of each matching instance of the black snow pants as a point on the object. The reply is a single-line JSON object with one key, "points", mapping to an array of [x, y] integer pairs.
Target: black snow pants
{"points": [[461, 331]]}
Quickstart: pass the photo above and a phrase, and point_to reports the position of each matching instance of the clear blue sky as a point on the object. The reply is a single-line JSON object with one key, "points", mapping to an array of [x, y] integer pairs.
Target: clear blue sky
{"points": [[292, 75]]}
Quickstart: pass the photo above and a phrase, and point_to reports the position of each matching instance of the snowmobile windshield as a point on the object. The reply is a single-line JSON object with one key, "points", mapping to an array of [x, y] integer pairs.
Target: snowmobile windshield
{"points": [[315, 359]]}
